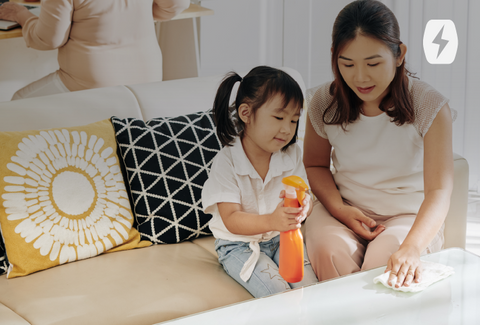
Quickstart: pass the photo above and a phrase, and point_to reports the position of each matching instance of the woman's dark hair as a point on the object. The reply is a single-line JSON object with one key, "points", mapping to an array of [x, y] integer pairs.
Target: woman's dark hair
{"points": [[255, 89], [373, 19]]}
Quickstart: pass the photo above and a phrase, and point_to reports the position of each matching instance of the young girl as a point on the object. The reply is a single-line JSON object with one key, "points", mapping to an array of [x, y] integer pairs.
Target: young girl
{"points": [[244, 190], [392, 141]]}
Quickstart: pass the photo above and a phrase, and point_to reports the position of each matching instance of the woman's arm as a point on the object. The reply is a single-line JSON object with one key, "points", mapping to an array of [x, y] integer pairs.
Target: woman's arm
{"points": [[316, 158], [52, 28], [438, 184], [167, 9], [15, 12]]}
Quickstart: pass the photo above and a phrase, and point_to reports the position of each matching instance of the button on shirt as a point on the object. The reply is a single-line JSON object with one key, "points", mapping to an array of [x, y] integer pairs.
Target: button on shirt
{"points": [[234, 179]]}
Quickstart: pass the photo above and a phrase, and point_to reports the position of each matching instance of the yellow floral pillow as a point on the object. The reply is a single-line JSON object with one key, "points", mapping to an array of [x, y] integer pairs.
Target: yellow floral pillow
{"points": [[63, 197]]}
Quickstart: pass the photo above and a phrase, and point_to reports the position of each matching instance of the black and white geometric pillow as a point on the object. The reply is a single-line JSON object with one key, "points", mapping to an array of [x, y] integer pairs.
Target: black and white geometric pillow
{"points": [[3, 258], [167, 161]]}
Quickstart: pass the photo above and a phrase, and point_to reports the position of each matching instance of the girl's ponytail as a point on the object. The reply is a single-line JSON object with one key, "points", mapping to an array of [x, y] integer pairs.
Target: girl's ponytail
{"points": [[226, 130]]}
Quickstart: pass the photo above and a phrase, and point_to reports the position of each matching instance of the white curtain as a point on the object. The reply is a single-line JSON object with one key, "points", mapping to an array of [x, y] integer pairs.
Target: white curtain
{"points": [[458, 81], [297, 34], [307, 39]]}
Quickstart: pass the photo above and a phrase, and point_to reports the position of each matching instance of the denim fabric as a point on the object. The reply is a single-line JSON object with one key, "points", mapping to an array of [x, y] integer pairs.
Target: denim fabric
{"points": [[265, 279]]}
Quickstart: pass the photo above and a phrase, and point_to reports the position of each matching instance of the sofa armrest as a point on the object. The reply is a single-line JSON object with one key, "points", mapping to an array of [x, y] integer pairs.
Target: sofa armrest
{"points": [[176, 97], [456, 220]]}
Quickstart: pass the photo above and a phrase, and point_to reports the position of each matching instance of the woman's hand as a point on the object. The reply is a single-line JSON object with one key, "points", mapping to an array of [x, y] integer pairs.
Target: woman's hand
{"points": [[354, 219], [405, 265], [306, 208], [10, 11]]}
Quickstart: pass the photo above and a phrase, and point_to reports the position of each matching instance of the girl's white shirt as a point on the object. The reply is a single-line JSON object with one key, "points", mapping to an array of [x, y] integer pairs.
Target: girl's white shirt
{"points": [[234, 179], [379, 165]]}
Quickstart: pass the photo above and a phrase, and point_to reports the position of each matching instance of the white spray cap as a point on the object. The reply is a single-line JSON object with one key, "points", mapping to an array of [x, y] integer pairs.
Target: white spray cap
{"points": [[290, 192]]}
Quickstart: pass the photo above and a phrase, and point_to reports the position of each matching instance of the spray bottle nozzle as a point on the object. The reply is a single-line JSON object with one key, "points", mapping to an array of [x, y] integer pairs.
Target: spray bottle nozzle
{"points": [[297, 184], [290, 192]]}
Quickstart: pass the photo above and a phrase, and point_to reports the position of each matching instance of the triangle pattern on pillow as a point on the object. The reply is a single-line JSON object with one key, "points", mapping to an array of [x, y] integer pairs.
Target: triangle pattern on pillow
{"points": [[167, 161]]}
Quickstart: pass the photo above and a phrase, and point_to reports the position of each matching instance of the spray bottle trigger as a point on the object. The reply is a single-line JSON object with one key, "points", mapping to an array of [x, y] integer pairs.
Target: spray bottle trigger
{"points": [[299, 184]]}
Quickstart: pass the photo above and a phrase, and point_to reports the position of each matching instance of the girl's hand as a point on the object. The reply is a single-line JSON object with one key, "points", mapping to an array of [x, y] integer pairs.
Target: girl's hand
{"points": [[305, 207], [354, 219], [285, 218], [10, 11], [406, 266]]}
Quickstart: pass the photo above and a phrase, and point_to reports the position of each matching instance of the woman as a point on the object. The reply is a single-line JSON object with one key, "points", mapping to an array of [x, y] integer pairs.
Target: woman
{"points": [[391, 136], [100, 43]]}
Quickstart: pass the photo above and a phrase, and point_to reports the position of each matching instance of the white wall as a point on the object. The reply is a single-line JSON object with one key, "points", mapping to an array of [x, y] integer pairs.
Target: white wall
{"points": [[243, 34], [297, 33], [20, 65], [240, 35]]}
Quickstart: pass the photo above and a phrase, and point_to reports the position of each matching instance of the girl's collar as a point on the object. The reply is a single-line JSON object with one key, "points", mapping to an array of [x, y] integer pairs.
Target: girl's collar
{"points": [[279, 162]]}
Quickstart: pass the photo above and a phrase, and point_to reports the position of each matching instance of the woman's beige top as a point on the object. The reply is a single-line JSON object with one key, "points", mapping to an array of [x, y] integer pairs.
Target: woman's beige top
{"points": [[102, 43], [379, 165]]}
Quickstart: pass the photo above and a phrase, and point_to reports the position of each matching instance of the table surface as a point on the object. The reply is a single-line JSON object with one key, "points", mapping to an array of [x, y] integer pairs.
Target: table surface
{"points": [[355, 299], [191, 12]]}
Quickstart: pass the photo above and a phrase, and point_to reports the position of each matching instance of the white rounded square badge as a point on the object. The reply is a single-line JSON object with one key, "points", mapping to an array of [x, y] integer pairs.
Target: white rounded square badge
{"points": [[440, 41]]}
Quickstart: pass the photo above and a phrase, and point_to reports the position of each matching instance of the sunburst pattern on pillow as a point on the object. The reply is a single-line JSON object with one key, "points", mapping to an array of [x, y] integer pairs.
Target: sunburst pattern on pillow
{"points": [[63, 197]]}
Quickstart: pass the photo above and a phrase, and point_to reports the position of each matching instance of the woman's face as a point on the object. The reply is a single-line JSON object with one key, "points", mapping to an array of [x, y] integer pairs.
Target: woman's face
{"points": [[368, 67]]}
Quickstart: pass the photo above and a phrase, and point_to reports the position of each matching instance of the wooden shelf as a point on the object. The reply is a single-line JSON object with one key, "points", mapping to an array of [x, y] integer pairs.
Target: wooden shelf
{"points": [[194, 11]]}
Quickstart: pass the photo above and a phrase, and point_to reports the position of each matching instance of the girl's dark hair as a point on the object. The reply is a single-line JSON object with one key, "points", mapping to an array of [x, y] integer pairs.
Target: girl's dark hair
{"points": [[373, 19], [255, 89]]}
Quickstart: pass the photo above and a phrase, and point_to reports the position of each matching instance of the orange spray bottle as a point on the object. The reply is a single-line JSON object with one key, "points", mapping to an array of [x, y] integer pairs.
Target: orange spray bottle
{"points": [[291, 242]]}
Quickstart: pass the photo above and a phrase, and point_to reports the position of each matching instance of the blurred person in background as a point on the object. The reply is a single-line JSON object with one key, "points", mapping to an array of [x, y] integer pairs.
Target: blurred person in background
{"points": [[100, 43]]}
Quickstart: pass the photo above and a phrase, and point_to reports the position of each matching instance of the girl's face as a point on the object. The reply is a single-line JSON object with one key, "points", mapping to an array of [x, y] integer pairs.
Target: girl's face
{"points": [[368, 67], [273, 125]]}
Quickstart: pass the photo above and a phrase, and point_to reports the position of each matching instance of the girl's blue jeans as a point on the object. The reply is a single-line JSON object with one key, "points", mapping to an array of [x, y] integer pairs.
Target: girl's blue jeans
{"points": [[265, 279]]}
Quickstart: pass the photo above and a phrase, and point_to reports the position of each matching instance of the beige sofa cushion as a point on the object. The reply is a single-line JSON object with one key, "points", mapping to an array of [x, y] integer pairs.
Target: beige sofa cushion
{"points": [[207, 243], [176, 97], [7, 316], [68, 109], [140, 286]]}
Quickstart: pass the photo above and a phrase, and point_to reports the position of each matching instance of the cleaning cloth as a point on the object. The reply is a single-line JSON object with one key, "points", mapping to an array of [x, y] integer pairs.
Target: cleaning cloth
{"points": [[432, 272]]}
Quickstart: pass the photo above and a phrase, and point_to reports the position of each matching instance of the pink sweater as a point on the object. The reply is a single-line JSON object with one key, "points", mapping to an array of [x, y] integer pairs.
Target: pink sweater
{"points": [[102, 43]]}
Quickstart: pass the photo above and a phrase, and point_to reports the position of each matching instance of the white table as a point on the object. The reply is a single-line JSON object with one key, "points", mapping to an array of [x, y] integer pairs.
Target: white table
{"points": [[354, 299], [179, 41]]}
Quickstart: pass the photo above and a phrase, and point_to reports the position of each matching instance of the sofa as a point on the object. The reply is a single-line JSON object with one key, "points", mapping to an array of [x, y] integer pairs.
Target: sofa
{"points": [[162, 281]]}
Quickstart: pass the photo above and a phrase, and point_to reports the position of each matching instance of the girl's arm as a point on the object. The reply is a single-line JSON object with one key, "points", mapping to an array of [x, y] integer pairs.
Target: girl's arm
{"points": [[243, 223], [316, 158], [438, 184]]}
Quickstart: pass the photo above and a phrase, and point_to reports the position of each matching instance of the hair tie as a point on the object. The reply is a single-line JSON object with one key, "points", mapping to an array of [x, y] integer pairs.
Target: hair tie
{"points": [[234, 92]]}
